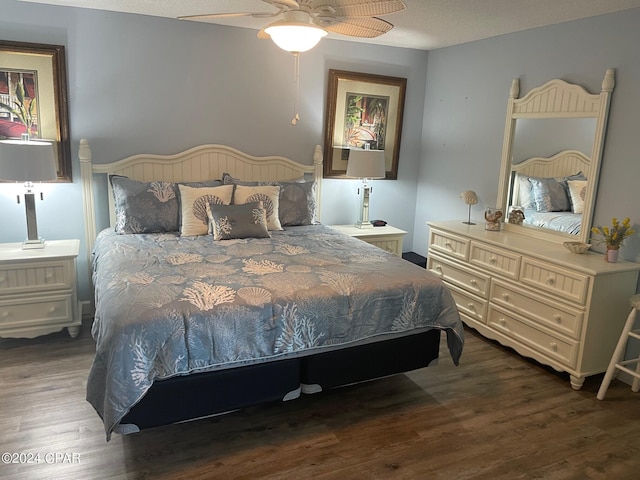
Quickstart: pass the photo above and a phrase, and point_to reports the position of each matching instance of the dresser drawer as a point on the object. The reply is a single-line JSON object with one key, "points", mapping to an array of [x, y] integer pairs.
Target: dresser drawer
{"points": [[451, 245], [459, 275], [560, 349], [494, 259], [566, 284], [31, 277], [558, 317], [468, 304], [29, 311]]}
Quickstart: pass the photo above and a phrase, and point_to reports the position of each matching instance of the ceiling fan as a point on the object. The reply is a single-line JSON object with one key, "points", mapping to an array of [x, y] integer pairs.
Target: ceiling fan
{"points": [[305, 22]]}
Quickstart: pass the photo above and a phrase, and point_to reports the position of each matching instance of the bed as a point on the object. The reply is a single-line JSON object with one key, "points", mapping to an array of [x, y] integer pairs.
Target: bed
{"points": [[551, 191], [192, 325]]}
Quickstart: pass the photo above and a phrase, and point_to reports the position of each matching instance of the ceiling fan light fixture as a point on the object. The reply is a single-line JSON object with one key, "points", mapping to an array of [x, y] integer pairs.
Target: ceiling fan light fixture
{"points": [[295, 33]]}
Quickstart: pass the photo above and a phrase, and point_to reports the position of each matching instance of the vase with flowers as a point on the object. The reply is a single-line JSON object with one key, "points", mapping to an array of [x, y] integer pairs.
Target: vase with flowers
{"points": [[613, 237]]}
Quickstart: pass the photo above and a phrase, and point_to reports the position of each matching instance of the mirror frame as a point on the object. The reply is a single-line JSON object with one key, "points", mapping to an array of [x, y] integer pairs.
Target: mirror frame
{"points": [[557, 99]]}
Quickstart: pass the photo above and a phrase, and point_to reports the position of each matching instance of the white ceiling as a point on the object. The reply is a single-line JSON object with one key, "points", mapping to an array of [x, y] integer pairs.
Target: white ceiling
{"points": [[425, 24]]}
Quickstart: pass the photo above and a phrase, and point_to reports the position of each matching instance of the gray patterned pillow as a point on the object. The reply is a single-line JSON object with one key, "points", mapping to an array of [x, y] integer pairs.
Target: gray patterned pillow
{"points": [[549, 195], [297, 204], [248, 220], [148, 207]]}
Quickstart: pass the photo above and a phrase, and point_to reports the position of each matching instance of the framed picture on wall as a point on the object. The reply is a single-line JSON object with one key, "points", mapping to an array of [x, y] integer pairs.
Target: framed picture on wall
{"points": [[33, 97], [363, 111]]}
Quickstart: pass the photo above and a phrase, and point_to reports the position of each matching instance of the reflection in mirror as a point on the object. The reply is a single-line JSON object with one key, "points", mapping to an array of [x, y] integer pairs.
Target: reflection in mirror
{"points": [[544, 138], [553, 142]]}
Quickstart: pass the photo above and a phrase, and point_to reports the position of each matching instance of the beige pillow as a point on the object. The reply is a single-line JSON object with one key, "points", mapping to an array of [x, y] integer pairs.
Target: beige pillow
{"points": [[269, 195], [577, 192], [193, 206]]}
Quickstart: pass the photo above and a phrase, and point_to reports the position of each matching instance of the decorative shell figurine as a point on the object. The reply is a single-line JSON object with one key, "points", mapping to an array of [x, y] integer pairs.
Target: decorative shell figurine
{"points": [[577, 247], [469, 197]]}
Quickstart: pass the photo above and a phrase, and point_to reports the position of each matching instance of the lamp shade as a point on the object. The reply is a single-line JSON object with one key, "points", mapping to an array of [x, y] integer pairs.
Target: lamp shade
{"points": [[366, 164], [27, 160], [295, 33]]}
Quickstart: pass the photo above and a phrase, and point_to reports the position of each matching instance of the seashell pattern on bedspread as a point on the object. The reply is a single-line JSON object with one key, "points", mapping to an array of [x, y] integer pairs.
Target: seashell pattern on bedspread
{"points": [[168, 305]]}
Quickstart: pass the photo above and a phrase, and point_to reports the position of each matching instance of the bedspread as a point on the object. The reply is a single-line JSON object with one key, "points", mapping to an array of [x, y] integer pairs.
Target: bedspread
{"points": [[168, 305]]}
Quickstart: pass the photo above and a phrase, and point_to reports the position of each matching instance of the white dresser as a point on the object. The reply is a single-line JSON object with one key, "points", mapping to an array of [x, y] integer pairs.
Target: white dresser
{"points": [[38, 291], [562, 309], [387, 238]]}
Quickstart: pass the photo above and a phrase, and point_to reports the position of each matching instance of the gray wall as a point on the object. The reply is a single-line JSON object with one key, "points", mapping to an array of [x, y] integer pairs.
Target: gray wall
{"points": [[145, 84], [465, 107]]}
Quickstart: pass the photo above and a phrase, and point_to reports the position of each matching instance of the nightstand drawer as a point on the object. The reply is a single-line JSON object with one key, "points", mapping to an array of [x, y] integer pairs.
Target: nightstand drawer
{"points": [[499, 261], [32, 277], [560, 349], [555, 280], [553, 315], [460, 276], [29, 311], [451, 245]]}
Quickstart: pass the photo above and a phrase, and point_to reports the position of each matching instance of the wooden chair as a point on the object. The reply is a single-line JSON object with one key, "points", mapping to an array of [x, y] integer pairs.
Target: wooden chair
{"points": [[617, 361]]}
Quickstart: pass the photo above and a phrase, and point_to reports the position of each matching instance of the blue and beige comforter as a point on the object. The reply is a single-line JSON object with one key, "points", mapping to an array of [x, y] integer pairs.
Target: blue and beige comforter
{"points": [[168, 305]]}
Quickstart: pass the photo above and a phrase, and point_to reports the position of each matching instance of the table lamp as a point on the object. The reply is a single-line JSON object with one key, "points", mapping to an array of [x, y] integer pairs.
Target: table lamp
{"points": [[365, 164], [28, 161]]}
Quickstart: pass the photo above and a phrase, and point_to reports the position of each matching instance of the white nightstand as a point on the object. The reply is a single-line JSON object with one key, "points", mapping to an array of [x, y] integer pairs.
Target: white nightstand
{"points": [[38, 290], [387, 238]]}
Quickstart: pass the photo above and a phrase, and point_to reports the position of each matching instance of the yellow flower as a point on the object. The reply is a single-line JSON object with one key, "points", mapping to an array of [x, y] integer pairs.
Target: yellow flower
{"points": [[615, 235]]}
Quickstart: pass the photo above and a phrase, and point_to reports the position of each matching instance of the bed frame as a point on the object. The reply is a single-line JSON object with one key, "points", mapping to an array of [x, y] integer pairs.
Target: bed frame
{"points": [[195, 396]]}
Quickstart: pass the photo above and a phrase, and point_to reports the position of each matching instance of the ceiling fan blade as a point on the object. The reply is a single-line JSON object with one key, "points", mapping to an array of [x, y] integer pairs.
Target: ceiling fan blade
{"points": [[360, 8], [363, 27], [283, 4], [224, 15]]}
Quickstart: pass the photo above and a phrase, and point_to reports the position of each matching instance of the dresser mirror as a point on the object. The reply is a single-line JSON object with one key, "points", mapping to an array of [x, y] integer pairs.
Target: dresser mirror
{"points": [[552, 150]]}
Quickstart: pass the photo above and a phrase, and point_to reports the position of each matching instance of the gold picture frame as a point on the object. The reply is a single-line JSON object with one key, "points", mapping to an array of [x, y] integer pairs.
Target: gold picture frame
{"points": [[363, 109], [33, 97]]}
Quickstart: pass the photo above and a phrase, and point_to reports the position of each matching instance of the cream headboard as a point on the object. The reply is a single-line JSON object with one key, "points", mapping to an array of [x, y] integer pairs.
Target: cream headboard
{"points": [[205, 162]]}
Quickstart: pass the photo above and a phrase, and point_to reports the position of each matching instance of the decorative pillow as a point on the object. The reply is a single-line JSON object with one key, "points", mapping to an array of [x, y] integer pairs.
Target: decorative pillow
{"points": [[144, 207], [524, 191], [297, 200], [147, 207], [577, 193], [238, 221], [193, 206], [269, 195], [549, 195]]}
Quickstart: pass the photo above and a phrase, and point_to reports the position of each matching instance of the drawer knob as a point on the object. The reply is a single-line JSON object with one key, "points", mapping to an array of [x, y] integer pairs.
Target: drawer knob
{"points": [[505, 296], [3, 279], [473, 282], [448, 245], [5, 314], [557, 318], [438, 268], [550, 281], [502, 321], [493, 260], [553, 346], [52, 309], [471, 306]]}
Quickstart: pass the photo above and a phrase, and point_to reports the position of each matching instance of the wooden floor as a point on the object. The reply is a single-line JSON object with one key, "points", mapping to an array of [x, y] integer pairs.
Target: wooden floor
{"points": [[495, 416]]}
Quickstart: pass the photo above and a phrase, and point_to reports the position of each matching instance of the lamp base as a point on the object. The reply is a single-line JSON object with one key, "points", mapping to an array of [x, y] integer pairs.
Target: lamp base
{"points": [[362, 224], [33, 244]]}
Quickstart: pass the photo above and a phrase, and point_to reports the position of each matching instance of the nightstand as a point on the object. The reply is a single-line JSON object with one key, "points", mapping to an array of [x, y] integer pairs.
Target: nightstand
{"points": [[387, 238], [38, 290]]}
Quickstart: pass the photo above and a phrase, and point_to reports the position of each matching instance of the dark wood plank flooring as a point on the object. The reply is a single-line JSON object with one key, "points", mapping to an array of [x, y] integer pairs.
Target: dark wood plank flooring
{"points": [[495, 416]]}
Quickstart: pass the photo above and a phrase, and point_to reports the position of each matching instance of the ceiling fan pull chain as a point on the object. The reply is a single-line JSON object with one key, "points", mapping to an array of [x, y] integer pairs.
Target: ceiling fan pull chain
{"points": [[296, 79]]}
